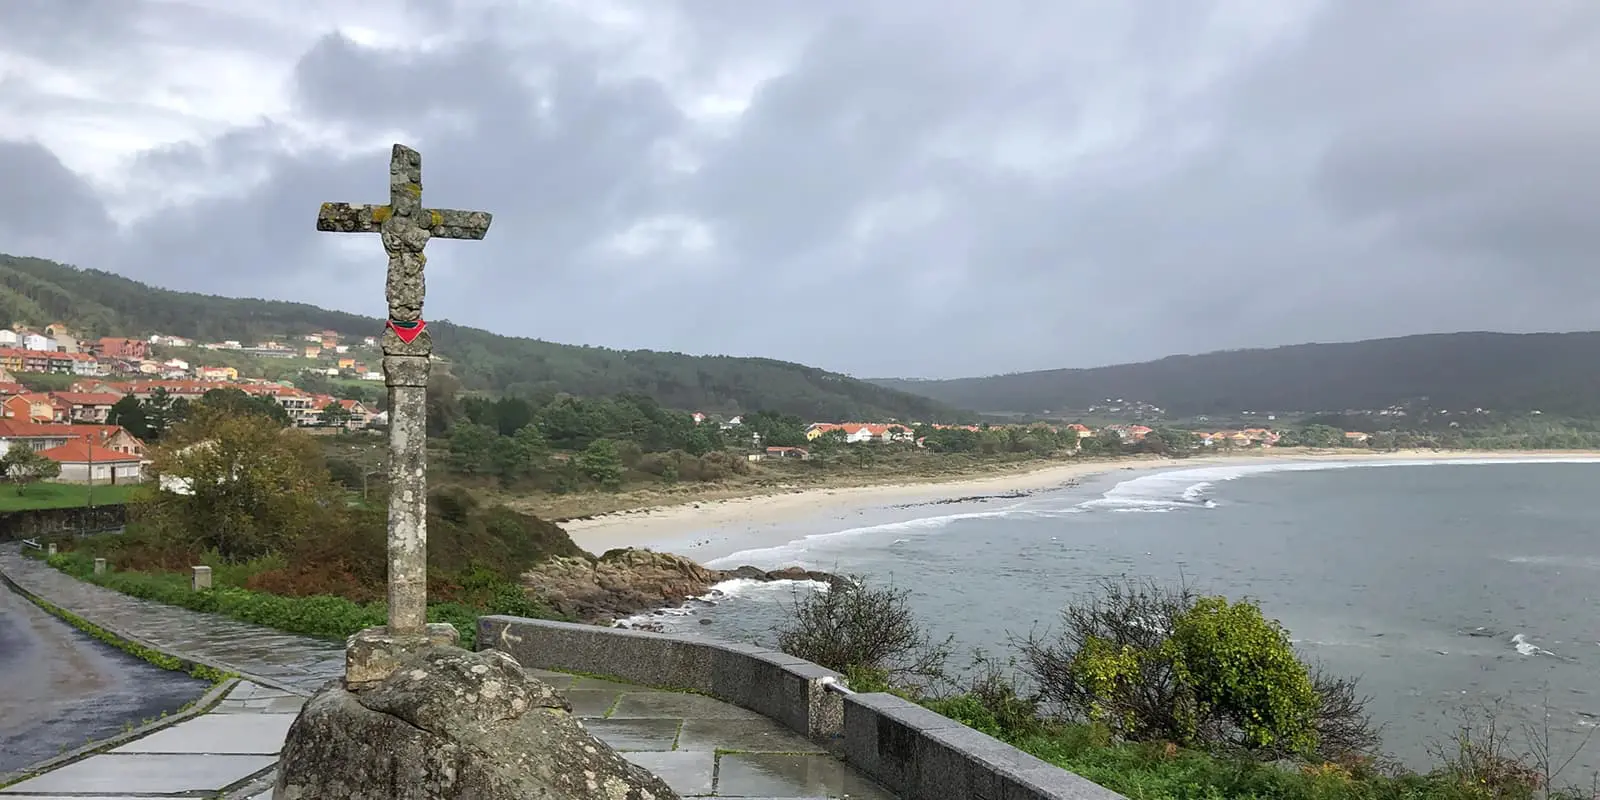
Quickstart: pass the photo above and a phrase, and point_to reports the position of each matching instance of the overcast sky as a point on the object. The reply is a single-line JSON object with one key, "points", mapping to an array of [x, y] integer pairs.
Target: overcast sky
{"points": [[882, 187]]}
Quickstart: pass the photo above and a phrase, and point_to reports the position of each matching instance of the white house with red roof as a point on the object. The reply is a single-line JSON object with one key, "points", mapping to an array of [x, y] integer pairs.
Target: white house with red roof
{"points": [[82, 462]]}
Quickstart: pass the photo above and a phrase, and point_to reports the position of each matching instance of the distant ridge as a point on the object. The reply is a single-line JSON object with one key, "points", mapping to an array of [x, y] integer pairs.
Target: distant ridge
{"points": [[1551, 372], [105, 304]]}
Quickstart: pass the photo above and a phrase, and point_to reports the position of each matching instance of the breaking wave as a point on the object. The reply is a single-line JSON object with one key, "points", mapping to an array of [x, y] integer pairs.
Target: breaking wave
{"points": [[1160, 492]]}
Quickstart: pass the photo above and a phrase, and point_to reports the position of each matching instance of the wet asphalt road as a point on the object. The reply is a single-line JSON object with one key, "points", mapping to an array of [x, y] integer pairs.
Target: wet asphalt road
{"points": [[61, 688]]}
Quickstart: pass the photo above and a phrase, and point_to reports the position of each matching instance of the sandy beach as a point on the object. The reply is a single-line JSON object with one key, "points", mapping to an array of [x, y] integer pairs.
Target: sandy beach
{"points": [[657, 527]]}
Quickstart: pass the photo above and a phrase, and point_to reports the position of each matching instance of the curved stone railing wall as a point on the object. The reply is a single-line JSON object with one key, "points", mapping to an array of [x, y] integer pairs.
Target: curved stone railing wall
{"points": [[914, 752]]}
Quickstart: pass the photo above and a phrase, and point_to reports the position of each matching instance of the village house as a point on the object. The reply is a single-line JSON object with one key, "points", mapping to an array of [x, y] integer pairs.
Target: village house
{"points": [[347, 363], [300, 405], [1130, 433], [86, 365], [1357, 437], [33, 408], [313, 351], [216, 374], [123, 348], [64, 340], [857, 432], [43, 437], [92, 407], [82, 462], [788, 452]]}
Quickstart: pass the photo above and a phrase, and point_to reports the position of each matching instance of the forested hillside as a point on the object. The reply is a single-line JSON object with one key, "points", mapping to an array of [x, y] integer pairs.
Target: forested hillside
{"points": [[103, 304], [1550, 372]]}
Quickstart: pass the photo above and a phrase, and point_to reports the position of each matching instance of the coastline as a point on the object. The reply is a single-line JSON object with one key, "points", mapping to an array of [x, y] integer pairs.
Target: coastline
{"points": [[664, 526]]}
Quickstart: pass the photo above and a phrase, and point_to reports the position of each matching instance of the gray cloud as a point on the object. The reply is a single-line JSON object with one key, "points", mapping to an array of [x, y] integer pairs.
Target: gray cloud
{"points": [[879, 187]]}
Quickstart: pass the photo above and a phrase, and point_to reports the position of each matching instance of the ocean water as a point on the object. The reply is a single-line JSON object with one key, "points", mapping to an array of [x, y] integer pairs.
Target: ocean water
{"points": [[1439, 585]]}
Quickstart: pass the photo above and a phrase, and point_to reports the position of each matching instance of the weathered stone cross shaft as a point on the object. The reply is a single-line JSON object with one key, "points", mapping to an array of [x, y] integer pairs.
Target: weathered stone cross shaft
{"points": [[405, 228]]}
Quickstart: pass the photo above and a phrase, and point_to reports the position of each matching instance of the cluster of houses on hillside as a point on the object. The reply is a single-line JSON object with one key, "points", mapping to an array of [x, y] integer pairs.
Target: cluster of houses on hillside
{"points": [[861, 432], [54, 349], [73, 428]]}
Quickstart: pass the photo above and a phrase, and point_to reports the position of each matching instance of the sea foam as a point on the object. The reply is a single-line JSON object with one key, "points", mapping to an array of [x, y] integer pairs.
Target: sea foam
{"points": [[1160, 492]]}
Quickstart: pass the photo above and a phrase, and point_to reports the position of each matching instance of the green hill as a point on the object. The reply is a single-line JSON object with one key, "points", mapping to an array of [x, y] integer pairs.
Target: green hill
{"points": [[103, 304], [1550, 372]]}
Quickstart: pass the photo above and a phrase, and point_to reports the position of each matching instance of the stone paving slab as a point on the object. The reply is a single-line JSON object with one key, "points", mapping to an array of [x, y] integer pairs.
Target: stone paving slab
{"points": [[299, 662], [707, 748], [204, 754]]}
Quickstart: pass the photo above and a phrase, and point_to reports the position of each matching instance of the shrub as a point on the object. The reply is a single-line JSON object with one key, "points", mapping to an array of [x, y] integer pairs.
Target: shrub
{"points": [[1103, 665], [851, 627], [1163, 664], [1239, 667]]}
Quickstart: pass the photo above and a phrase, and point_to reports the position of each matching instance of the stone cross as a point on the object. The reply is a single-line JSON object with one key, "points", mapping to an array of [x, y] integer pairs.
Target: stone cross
{"points": [[405, 228]]}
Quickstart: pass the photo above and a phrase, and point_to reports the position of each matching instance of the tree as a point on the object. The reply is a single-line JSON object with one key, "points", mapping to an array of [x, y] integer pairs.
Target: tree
{"points": [[235, 401], [443, 402], [1321, 436], [159, 413], [129, 413], [520, 454], [600, 462], [24, 467], [1104, 442], [472, 447], [334, 415], [863, 631], [238, 484]]}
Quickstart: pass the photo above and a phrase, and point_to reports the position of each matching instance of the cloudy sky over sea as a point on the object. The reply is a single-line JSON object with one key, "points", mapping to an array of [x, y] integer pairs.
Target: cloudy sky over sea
{"points": [[884, 187]]}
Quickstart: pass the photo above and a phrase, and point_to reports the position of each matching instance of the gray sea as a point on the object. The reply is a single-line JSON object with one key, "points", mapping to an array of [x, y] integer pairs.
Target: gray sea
{"points": [[1439, 584]]}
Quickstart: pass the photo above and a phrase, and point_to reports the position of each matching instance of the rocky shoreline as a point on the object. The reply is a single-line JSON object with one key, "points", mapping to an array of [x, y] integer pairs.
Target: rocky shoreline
{"points": [[627, 582]]}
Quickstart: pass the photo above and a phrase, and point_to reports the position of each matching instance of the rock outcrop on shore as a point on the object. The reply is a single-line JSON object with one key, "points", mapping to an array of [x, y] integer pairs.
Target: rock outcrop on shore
{"points": [[625, 582]]}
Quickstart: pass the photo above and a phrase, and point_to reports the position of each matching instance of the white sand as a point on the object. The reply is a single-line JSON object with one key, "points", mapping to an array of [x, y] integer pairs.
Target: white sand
{"points": [[654, 527]]}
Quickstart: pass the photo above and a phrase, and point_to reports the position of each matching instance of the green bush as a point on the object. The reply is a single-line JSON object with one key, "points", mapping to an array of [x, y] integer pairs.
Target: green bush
{"points": [[1240, 666]]}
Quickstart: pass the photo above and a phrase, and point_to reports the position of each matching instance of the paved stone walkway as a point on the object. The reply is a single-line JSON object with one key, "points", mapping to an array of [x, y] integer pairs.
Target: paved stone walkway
{"points": [[237, 740], [700, 746], [297, 662]]}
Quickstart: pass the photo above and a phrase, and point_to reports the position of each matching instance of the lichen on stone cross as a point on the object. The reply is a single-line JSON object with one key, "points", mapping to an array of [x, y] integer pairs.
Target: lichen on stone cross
{"points": [[405, 226]]}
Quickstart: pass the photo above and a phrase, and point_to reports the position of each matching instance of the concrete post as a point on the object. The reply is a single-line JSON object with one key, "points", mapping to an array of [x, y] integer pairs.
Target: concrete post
{"points": [[50, 549], [99, 566], [202, 578]]}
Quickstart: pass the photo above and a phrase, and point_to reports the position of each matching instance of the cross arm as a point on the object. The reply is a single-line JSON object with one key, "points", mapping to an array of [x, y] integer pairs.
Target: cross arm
{"points": [[346, 218], [447, 223]]}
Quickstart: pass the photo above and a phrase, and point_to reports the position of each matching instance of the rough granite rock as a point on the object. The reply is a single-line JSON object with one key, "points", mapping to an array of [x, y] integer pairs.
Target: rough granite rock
{"points": [[630, 581], [457, 725]]}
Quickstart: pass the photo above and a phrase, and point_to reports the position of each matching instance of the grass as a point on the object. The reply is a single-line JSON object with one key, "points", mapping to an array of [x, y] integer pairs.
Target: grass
{"points": [[61, 495], [319, 616], [139, 651]]}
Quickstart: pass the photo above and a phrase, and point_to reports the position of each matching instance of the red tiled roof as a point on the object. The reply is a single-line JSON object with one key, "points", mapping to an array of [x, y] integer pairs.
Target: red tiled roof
{"points": [[78, 451], [88, 398]]}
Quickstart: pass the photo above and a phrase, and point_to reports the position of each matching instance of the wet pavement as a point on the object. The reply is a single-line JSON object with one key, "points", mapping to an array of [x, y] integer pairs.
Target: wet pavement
{"points": [[62, 688], [236, 741], [700, 746], [300, 663], [707, 748]]}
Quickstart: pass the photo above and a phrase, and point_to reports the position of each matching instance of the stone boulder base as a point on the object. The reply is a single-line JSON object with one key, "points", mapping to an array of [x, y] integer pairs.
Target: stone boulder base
{"points": [[449, 723]]}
